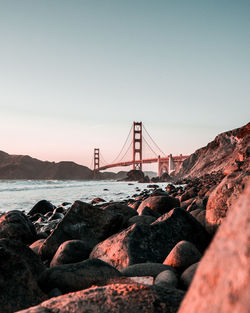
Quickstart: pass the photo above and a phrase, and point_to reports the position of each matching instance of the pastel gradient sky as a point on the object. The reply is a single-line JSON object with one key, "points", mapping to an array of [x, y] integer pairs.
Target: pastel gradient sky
{"points": [[75, 74]]}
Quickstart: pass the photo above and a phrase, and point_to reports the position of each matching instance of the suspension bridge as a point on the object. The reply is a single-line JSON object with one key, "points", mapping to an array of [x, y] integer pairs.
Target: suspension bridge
{"points": [[139, 145]]}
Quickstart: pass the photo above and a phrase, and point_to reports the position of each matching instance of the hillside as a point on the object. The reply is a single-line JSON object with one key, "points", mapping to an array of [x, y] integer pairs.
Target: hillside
{"points": [[26, 167], [221, 154]]}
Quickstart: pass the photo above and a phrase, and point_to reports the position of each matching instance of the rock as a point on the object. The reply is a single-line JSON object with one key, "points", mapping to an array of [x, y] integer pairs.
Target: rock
{"points": [[166, 278], [84, 222], [160, 204], [16, 225], [97, 200], [222, 280], [56, 216], [134, 175], [183, 255], [142, 243], [32, 260], [126, 211], [165, 178], [142, 219], [118, 298], [188, 194], [188, 275], [42, 207], [148, 211], [222, 198], [145, 269], [77, 276], [70, 251], [153, 186], [200, 216], [35, 246], [19, 268]]}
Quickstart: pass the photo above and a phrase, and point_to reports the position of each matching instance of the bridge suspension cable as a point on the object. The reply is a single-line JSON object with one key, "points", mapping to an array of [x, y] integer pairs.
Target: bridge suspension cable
{"points": [[126, 151], [149, 146], [114, 161], [153, 141], [103, 160]]}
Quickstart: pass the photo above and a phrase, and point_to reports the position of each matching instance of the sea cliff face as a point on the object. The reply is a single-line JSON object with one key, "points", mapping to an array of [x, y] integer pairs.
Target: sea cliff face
{"points": [[26, 167], [225, 153]]}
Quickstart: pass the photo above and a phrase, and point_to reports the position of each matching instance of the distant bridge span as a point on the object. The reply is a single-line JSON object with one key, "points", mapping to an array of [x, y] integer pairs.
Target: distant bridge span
{"points": [[165, 164]]}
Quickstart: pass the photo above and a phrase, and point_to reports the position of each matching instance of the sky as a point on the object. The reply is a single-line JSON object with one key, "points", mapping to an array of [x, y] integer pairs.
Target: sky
{"points": [[75, 74]]}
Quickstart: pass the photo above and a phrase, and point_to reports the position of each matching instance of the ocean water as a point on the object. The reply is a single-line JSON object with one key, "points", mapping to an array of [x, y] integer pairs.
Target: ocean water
{"points": [[24, 194]]}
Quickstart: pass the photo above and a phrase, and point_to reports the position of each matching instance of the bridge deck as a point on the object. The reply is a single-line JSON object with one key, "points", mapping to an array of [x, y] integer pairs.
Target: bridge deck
{"points": [[179, 158]]}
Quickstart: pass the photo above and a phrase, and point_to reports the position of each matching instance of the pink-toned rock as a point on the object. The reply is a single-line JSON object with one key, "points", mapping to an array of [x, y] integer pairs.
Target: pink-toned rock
{"points": [[222, 280], [160, 204], [118, 298], [222, 198], [183, 255]]}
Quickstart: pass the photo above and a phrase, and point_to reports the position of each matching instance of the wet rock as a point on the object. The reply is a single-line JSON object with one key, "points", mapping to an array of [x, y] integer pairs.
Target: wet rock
{"points": [[77, 276], [166, 278], [160, 204], [19, 268], [142, 243], [183, 255], [222, 280], [70, 251], [188, 275], [16, 225], [145, 269], [84, 222], [97, 200], [134, 175], [42, 207], [117, 298]]}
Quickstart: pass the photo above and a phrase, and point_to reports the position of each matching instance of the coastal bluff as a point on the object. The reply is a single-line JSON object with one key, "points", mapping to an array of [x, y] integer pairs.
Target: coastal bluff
{"points": [[26, 167]]}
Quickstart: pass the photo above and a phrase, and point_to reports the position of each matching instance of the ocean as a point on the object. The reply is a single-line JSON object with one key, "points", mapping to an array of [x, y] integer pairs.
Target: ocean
{"points": [[24, 194]]}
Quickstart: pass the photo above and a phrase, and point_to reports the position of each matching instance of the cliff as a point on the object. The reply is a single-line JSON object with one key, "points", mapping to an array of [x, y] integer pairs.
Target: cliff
{"points": [[224, 153]]}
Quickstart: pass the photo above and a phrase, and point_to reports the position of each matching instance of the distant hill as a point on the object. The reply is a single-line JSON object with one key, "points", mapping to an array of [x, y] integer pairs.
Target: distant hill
{"points": [[221, 154], [26, 167]]}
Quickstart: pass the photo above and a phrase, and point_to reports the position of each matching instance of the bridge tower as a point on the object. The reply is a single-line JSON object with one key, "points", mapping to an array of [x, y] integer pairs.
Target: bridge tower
{"points": [[137, 145], [96, 161]]}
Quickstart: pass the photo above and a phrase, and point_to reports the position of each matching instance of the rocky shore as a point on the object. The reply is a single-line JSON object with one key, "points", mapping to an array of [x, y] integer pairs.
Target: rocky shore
{"points": [[137, 255], [182, 248]]}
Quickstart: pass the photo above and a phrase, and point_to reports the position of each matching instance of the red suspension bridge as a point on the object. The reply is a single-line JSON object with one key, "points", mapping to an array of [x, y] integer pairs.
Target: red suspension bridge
{"points": [[139, 146]]}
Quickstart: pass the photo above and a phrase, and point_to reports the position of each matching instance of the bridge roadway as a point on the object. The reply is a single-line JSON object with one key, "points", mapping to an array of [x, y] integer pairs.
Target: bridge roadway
{"points": [[179, 158]]}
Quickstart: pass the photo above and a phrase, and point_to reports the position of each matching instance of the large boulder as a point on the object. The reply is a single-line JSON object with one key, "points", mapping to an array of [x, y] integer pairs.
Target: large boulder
{"points": [[223, 197], [142, 243], [160, 204], [70, 251], [84, 222], [16, 225], [19, 268], [117, 298], [222, 281], [77, 276]]}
